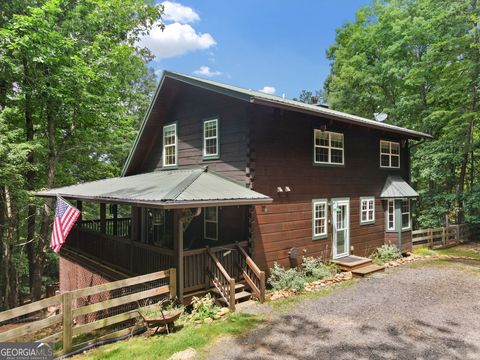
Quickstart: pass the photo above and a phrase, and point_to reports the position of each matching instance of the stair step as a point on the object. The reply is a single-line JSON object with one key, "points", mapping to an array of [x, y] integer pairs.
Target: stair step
{"points": [[239, 297], [352, 262], [367, 269], [238, 288]]}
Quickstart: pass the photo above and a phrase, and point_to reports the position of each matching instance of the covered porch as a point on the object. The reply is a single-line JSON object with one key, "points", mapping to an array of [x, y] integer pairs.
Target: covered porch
{"points": [[194, 220]]}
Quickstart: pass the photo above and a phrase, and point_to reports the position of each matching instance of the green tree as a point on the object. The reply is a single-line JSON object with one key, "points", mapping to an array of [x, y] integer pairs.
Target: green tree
{"points": [[419, 62], [70, 75]]}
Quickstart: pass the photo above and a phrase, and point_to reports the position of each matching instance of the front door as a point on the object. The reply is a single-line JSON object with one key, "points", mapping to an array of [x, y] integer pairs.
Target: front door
{"points": [[341, 228]]}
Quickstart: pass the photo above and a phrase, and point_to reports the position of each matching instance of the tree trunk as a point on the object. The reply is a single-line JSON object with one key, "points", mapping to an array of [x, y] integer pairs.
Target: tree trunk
{"points": [[47, 214], [7, 271], [30, 175]]}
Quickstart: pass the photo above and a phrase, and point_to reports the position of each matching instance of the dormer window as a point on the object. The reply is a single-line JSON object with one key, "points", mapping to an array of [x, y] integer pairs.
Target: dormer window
{"points": [[170, 145], [211, 148], [328, 148], [389, 154]]}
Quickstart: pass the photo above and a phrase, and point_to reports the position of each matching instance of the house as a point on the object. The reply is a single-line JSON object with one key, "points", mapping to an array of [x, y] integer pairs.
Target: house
{"points": [[223, 182]]}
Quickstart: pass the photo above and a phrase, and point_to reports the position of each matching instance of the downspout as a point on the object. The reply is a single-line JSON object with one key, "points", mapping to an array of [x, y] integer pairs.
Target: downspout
{"points": [[398, 220]]}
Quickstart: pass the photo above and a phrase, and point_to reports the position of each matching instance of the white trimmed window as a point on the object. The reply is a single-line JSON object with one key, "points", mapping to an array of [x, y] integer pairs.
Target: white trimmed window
{"points": [[170, 145], [389, 154], [405, 214], [367, 210], [210, 223], [328, 148], [210, 139], [319, 220], [391, 215]]}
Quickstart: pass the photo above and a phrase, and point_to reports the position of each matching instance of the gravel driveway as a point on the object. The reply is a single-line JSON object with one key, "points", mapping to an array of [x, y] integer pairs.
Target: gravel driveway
{"points": [[419, 311]]}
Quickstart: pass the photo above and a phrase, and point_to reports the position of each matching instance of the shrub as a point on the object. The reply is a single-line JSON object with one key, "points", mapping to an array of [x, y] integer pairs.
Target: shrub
{"points": [[385, 253], [203, 307], [280, 278], [315, 269]]}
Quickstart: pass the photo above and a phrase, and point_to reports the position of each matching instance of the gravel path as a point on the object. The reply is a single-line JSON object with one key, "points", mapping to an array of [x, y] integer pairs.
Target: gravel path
{"points": [[419, 311]]}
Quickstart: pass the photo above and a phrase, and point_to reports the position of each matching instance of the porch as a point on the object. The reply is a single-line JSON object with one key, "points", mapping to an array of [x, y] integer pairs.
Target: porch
{"points": [[193, 220]]}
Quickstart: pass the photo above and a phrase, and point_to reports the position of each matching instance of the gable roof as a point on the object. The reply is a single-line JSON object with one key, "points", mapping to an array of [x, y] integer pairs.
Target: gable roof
{"points": [[257, 97], [396, 187], [194, 187]]}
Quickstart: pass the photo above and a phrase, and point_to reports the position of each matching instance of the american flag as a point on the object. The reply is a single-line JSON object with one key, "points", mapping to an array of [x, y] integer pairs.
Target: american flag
{"points": [[65, 217]]}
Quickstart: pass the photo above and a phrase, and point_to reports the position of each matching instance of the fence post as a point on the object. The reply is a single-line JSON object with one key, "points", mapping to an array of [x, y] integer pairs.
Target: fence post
{"points": [[444, 236], [430, 239], [67, 321], [232, 295], [262, 286], [173, 283]]}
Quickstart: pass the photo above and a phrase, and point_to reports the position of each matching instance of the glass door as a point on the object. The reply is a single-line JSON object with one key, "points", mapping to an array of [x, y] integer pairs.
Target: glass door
{"points": [[341, 226]]}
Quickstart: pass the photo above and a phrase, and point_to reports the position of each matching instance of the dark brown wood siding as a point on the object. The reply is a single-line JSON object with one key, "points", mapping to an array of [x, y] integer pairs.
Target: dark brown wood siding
{"points": [[189, 109], [283, 156]]}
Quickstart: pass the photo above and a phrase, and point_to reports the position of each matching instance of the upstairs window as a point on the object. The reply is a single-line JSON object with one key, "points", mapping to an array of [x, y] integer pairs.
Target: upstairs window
{"points": [[367, 210], [210, 139], [405, 214], [170, 145], [210, 223], [389, 154], [328, 148], [319, 219]]}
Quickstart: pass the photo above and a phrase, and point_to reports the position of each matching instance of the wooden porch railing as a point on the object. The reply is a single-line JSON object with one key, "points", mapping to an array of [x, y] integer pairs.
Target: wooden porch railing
{"points": [[120, 227], [442, 236], [254, 277], [221, 279]]}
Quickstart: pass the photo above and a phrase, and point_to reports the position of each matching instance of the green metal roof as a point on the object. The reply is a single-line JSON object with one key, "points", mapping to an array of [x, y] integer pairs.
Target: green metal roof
{"points": [[396, 187], [260, 98], [170, 189]]}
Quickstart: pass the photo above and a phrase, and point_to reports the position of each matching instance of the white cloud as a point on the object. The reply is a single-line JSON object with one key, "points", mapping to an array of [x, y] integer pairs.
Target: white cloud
{"points": [[268, 90], [176, 39], [205, 71], [179, 13]]}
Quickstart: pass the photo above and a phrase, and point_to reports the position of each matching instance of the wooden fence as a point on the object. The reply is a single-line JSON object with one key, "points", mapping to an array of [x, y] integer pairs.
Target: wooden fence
{"points": [[95, 313], [444, 236]]}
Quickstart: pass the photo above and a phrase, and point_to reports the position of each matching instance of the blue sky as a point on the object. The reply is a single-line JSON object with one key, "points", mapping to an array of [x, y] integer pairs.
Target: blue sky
{"points": [[253, 44]]}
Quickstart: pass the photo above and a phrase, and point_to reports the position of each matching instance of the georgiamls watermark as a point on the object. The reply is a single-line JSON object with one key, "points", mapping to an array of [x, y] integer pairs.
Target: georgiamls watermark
{"points": [[26, 351]]}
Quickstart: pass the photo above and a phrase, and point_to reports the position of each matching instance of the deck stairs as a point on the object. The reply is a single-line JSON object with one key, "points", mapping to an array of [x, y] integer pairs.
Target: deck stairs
{"points": [[359, 266], [242, 294]]}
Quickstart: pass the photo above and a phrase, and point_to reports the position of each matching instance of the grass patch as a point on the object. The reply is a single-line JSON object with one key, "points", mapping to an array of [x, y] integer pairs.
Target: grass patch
{"points": [[453, 251], [164, 346], [285, 304]]}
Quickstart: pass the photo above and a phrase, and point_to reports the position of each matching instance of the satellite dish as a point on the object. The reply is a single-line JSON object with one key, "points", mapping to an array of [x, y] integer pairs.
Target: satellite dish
{"points": [[380, 116]]}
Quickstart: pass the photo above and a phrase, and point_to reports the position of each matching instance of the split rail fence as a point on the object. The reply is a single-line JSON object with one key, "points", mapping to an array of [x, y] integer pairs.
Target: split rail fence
{"points": [[81, 317], [444, 236]]}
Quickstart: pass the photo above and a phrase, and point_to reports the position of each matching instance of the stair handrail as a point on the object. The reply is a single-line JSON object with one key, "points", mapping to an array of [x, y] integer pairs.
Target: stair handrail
{"points": [[259, 274], [228, 295]]}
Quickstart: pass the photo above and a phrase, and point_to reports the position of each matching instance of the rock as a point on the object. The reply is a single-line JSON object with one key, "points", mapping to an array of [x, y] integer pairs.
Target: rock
{"points": [[216, 316], [188, 354], [223, 311], [197, 322], [208, 320]]}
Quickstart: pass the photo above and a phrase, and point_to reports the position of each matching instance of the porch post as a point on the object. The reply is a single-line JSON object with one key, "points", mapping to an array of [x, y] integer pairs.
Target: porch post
{"points": [[178, 236], [114, 208], [103, 218], [79, 207]]}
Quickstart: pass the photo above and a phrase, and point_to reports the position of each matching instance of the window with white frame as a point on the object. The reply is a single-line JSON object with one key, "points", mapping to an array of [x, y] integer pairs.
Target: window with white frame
{"points": [[319, 221], [170, 145], [367, 210], [210, 223], [210, 138], [328, 148], [389, 154], [391, 215], [405, 214]]}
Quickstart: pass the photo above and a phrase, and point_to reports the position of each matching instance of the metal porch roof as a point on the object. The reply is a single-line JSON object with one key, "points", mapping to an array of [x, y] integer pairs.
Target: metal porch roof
{"points": [[396, 187], [181, 188]]}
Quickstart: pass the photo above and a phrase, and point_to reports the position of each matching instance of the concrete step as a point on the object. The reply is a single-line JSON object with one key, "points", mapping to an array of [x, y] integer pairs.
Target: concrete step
{"points": [[367, 270]]}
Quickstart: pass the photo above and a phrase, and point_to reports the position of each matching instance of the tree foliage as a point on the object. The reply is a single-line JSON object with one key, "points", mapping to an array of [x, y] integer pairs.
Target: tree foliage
{"points": [[419, 62], [73, 84]]}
